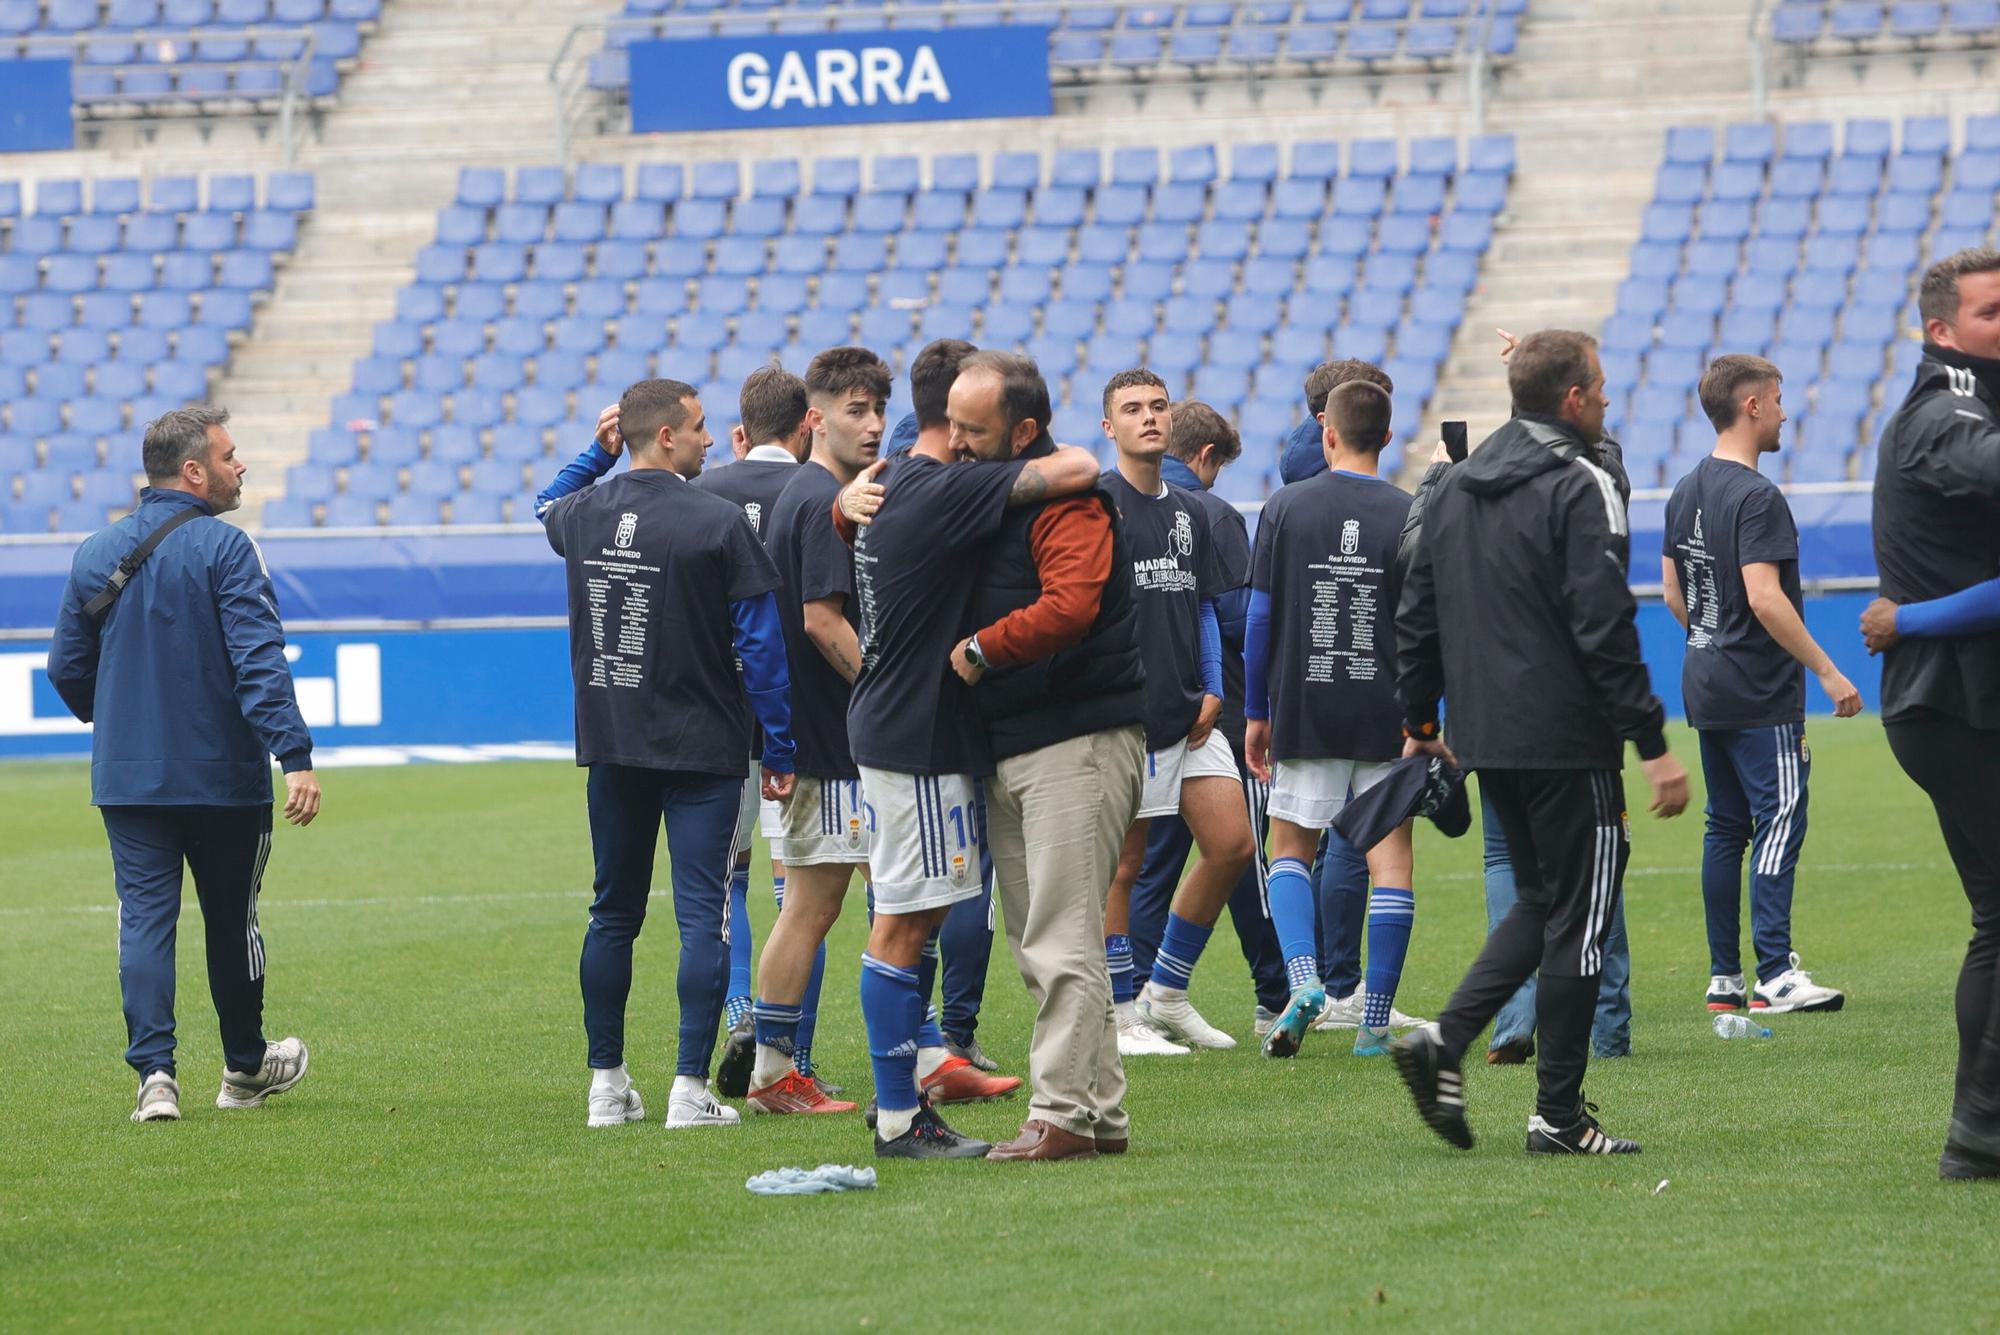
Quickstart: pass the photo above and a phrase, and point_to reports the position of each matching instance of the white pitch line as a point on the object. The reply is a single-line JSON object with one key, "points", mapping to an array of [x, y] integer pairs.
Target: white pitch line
{"points": [[279, 904]]}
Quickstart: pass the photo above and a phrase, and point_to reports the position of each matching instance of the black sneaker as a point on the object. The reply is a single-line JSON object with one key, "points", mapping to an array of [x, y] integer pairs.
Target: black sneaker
{"points": [[1585, 1136], [827, 1087], [739, 1059], [1958, 1164], [930, 1138], [973, 1053], [1438, 1088]]}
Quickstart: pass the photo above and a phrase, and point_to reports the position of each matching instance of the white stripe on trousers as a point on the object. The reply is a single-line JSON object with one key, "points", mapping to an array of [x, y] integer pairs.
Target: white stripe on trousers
{"points": [[254, 939], [1603, 874], [1771, 857]]}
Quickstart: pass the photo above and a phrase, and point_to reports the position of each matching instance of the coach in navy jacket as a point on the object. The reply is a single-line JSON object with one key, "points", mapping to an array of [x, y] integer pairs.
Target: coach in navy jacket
{"points": [[184, 677]]}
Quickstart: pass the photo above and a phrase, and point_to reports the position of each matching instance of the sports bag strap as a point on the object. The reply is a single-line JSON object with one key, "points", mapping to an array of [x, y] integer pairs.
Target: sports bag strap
{"points": [[129, 567]]}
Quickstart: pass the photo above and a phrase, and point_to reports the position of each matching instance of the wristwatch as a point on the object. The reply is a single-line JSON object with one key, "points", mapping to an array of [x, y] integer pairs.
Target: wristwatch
{"points": [[973, 656]]}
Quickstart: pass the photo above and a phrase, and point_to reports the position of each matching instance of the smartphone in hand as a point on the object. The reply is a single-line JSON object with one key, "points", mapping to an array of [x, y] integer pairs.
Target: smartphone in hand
{"points": [[1454, 440]]}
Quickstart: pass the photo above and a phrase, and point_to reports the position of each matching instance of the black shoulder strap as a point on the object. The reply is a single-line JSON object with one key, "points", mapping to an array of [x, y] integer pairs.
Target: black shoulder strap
{"points": [[129, 567]]}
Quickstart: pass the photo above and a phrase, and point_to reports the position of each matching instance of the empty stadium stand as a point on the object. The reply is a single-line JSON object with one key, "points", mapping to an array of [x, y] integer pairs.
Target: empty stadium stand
{"points": [[1230, 274], [1803, 245], [1844, 27], [1128, 39], [164, 56], [116, 304]]}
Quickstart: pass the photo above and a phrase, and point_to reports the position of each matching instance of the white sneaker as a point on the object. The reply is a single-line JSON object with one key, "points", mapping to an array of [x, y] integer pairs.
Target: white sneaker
{"points": [[1261, 1020], [284, 1066], [159, 1099], [616, 1107], [1139, 1039], [699, 1109], [1726, 992], [1343, 1013], [1794, 990], [1178, 1020], [1349, 1011]]}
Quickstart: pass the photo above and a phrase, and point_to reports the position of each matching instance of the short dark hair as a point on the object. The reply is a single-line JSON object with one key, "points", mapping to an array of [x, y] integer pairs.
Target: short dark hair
{"points": [[1937, 298], [1723, 383], [1546, 366], [177, 436], [1328, 376], [1024, 395], [647, 406], [1360, 413], [931, 375], [771, 405], [1138, 375], [1195, 425], [838, 372]]}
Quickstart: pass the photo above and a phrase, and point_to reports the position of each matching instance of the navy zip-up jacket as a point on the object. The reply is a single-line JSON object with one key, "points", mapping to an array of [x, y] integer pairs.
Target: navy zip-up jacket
{"points": [[185, 678]]}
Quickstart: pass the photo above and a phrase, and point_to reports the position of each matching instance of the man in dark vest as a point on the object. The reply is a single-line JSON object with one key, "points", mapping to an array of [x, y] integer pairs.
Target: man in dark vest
{"points": [[1060, 687]]}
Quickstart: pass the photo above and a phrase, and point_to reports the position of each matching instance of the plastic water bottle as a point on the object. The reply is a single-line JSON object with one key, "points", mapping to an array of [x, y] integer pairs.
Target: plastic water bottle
{"points": [[1729, 1025]]}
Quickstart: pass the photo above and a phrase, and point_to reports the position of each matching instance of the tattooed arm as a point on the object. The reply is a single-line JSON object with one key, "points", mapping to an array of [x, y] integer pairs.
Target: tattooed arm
{"points": [[1067, 472], [827, 628]]}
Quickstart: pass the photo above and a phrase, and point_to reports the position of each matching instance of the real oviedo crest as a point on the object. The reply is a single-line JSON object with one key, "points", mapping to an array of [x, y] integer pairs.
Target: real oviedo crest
{"points": [[628, 524]]}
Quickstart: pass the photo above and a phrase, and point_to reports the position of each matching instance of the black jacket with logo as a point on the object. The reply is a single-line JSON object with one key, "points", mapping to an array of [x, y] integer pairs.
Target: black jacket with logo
{"points": [[1516, 606], [1937, 530]]}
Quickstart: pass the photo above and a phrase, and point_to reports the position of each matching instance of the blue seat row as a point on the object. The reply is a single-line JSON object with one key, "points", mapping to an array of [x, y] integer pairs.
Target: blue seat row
{"points": [[31, 17], [1083, 169]]}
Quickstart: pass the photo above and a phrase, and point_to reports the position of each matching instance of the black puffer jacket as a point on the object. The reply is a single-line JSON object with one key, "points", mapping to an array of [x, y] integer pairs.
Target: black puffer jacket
{"points": [[1516, 606]]}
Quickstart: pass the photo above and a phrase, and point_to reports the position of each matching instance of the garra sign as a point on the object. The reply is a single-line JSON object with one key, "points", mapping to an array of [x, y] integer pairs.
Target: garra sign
{"points": [[839, 78]]}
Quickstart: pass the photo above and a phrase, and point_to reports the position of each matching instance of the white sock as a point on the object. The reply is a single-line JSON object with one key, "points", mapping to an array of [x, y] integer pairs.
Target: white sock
{"points": [[689, 1087], [928, 1060], [893, 1122], [1158, 993], [772, 1066], [1127, 1017], [613, 1081]]}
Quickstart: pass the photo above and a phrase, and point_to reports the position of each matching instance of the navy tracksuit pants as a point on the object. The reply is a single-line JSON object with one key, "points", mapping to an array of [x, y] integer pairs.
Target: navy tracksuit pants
{"points": [[1756, 802], [225, 848], [627, 804]]}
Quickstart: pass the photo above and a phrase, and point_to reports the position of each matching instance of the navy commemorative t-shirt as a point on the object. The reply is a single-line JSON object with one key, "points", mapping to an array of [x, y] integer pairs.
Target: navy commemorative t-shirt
{"points": [[1174, 567], [653, 566], [813, 563], [1326, 555], [913, 573], [1721, 518], [754, 484]]}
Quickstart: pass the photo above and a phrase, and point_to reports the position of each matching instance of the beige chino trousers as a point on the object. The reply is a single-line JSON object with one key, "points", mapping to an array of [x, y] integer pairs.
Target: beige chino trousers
{"points": [[1055, 821]]}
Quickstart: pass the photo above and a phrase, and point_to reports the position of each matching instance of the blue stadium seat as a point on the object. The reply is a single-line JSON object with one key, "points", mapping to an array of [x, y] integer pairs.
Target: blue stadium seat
{"points": [[1690, 145]]}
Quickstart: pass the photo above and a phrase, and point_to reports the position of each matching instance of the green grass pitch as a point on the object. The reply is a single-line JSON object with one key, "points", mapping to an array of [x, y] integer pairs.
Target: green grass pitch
{"points": [[434, 1170]]}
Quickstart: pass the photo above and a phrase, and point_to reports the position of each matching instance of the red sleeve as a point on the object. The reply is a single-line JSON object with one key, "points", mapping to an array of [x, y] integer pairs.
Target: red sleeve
{"points": [[846, 527], [1071, 541]]}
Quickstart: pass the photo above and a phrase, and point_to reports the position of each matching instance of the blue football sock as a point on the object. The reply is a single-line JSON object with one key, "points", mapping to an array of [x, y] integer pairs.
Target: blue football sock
{"points": [[1118, 958], [893, 1010], [1391, 914], [777, 1026], [1180, 950], [739, 943], [809, 1014], [1290, 889]]}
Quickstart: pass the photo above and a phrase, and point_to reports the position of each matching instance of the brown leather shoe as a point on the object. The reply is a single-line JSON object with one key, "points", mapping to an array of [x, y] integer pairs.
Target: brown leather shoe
{"points": [[1511, 1054], [1112, 1144], [1045, 1141]]}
